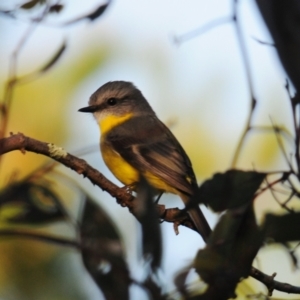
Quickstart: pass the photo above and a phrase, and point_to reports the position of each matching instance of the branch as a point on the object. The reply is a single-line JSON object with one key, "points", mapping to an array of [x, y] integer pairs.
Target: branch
{"points": [[39, 237], [172, 215], [23, 143], [272, 284]]}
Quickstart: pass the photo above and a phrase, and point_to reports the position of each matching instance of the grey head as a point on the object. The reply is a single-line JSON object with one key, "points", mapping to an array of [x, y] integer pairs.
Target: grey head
{"points": [[117, 98]]}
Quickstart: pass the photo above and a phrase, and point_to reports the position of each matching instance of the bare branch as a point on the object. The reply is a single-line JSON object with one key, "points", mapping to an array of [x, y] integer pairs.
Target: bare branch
{"points": [[272, 284]]}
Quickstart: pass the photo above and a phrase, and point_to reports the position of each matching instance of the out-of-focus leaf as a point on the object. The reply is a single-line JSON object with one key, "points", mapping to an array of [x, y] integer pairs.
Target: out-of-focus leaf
{"points": [[32, 203], [180, 280], [55, 57], [229, 253], [102, 252], [95, 14], [282, 20], [154, 290], [282, 228], [31, 4], [229, 190], [146, 212], [56, 8]]}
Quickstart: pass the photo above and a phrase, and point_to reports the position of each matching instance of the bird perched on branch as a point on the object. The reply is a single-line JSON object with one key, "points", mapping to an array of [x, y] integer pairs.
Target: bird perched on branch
{"points": [[135, 142]]}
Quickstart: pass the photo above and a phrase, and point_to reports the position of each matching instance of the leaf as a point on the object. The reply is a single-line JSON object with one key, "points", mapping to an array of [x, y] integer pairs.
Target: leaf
{"points": [[154, 290], [56, 8], [103, 253], [32, 203], [229, 253], [180, 280], [55, 58], [146, 212], [282, 229], [282, 21], [30, 4], [95, 14], [231, 189]]}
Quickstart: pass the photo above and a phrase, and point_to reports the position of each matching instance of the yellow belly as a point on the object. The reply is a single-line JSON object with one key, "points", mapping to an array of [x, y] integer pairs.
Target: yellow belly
{"points": [[122, 170], [127, 174]]}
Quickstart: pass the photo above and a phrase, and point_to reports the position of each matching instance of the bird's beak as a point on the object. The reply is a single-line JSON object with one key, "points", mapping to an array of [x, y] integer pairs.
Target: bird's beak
{"points": [[88, 109]]}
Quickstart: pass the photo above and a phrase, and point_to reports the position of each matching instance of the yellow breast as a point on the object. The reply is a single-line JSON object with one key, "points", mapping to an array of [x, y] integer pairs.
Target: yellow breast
{"points": [[122, 170]]}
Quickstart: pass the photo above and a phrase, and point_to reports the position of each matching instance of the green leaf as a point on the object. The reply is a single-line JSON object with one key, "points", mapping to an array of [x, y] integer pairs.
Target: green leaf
{"points": [[229, 190], [282, 228], [102, 252]]}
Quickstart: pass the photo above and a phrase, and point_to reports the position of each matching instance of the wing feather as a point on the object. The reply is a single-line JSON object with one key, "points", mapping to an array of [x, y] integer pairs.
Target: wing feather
{"points": [[149, 146]]}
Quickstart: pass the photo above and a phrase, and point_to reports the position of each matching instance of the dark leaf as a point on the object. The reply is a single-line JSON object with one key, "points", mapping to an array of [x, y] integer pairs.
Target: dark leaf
{"points": [[180, 280], [295, 99], [147, 214], [33, 203], [30, 4], [282, 20], [283, 228], [229, 253], [95, 14], [56, 8], [154, 289], [55, 57], [102, 252], [229, 190]]}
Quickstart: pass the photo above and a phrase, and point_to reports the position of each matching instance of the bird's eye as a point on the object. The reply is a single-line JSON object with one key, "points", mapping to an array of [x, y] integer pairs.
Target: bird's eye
{"points": [[112, 101]]}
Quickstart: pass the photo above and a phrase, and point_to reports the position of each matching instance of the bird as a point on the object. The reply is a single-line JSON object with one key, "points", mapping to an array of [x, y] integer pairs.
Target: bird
{"points": [[135, 143]]}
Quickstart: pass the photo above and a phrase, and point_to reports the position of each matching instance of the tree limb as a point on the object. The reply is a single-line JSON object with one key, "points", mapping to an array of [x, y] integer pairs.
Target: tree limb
{"points": [[272, 284], [174, 215], [23, 143]]}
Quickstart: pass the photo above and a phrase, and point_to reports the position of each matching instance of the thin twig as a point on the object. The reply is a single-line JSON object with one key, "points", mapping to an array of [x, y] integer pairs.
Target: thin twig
{"points": [[206, 27], [12, 76], [247, 66], [282, 205], [281, 146]]}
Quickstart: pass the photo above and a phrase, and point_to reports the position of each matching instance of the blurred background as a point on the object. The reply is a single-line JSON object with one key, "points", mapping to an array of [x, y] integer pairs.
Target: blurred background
{"points": [[196, 85]]}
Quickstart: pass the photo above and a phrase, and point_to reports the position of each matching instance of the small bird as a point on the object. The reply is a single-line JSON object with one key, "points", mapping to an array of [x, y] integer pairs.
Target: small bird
{"points": [[135, 142]]}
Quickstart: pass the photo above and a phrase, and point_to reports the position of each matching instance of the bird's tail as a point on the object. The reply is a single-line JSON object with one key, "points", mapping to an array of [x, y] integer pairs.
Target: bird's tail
{"points": [[198, 219]]}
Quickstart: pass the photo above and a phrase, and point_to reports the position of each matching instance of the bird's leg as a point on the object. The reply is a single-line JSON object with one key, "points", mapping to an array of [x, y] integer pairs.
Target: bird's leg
{"points": [[158, 197]]}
